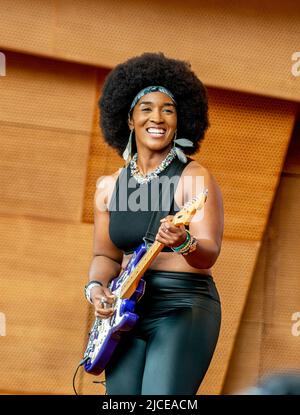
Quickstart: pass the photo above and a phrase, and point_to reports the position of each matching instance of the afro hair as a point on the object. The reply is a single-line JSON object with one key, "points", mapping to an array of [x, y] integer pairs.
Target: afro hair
{"points": [[128, 78]]}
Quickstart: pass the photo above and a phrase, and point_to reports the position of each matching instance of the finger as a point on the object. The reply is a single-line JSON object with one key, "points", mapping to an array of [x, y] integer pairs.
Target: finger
{"points": [[99, 300], [168, 218], [105, 297], [162, 240], [174, 228], [168, 228], [162, 233], [100, 315], [108, 293], [177, 233], [105, 301], [163, 229], [168, 236], [103, 311], [103, 305]]}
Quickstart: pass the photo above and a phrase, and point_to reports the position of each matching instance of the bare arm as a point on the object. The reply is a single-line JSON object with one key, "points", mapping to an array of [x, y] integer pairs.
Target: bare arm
{"points": [[107, 258], [207, 224]]}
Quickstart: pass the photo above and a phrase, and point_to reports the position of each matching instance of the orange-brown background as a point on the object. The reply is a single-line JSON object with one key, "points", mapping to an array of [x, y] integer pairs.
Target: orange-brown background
{"points": [[51, 154]]}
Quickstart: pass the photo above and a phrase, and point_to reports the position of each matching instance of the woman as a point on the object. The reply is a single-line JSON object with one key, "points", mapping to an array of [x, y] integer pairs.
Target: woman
{"points": [[157, 102]]}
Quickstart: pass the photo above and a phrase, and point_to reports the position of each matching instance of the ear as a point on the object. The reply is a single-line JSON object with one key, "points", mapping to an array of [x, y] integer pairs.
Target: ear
{"points": [[130, 123]]}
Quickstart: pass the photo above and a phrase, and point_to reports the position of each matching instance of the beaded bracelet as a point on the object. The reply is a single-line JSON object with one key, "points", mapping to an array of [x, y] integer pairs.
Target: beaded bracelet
{"points": [[187, 249], [185, 244], [188, 246], [192, 247]]}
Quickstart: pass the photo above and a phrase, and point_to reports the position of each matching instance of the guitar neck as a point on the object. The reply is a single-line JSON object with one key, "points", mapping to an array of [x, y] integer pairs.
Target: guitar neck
{"points": [[133, 280], [182, 217]]}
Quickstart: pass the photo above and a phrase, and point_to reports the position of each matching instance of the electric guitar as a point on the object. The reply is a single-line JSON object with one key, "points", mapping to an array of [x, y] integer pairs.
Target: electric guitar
{"points": [[128, 288]]}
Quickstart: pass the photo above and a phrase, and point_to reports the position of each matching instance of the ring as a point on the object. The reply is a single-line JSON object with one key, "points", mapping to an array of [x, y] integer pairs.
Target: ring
{"points": [[165, 229], [103, 301]]}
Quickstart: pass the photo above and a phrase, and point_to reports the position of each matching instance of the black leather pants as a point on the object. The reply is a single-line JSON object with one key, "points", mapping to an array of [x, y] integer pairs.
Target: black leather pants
{"points": [[170, 348]]}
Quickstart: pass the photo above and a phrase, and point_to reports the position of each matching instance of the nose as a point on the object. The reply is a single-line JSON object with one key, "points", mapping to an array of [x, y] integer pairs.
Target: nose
{"points": [[156, 116]]}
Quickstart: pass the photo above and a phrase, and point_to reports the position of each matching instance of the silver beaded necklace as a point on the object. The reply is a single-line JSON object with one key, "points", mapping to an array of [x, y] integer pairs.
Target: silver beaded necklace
{"points": [[146, 178]]}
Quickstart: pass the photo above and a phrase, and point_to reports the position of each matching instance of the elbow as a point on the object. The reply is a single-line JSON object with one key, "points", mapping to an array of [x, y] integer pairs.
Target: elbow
{"points": [[210, 257], [108, 258], [206, 263], [209, 262], [203, 262]]}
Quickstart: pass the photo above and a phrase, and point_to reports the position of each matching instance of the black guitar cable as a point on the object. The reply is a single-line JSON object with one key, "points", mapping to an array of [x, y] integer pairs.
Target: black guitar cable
{"points": [[81, 363], [103, 383]]}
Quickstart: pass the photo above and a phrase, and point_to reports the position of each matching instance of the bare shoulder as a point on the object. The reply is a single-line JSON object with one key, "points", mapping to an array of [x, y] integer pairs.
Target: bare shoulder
{"points": [[196, 177], [195, 169]]}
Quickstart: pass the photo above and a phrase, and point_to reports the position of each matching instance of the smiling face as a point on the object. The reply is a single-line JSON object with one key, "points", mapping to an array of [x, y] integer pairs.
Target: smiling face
{"points": [[154, 119]]}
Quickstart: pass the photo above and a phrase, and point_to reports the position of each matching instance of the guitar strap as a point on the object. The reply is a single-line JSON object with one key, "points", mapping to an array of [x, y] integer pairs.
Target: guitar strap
{"points": [[165, 197]]}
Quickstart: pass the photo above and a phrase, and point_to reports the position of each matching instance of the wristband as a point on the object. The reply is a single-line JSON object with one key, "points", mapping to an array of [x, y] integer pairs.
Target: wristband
{"points": [[88, 287], [185, 243], [192, 247]]}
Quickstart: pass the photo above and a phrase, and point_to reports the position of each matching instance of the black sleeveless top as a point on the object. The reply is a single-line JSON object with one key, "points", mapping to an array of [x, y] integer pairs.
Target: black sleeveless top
{"points": [[132, 205]]}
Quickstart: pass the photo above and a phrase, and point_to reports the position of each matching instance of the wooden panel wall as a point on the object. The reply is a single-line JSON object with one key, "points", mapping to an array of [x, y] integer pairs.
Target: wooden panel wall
{"points": [[234, 118], [245, 150], [43, 269], [244, 46], [51, 154], [46, 111], [266, 341]]}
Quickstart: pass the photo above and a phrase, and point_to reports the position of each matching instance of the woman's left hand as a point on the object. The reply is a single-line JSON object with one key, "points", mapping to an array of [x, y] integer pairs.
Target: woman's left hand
{"points": [[169, 234]]}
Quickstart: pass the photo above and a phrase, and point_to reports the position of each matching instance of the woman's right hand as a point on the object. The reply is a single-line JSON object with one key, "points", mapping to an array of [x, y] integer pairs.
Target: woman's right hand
{"points": [[103, 301]]}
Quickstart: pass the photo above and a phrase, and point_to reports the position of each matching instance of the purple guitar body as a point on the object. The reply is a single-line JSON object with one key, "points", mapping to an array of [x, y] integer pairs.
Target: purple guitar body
{"points": [[105, 333]]}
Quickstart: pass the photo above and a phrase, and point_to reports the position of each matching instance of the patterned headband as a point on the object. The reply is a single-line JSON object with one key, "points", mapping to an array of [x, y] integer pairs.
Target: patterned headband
{"points": [[149, 89]]}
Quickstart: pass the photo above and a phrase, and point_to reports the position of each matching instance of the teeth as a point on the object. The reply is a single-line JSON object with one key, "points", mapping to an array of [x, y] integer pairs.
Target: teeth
{"points": [[155, 131]]}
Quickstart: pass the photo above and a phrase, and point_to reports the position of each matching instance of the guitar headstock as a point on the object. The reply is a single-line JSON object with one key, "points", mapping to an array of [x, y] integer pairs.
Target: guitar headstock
{"points": [[184, 216]]}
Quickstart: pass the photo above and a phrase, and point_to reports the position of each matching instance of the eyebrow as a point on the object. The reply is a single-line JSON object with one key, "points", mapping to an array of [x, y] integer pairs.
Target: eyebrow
{"points": [[169, 104]]}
